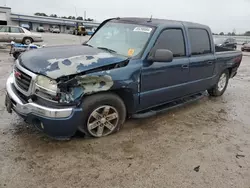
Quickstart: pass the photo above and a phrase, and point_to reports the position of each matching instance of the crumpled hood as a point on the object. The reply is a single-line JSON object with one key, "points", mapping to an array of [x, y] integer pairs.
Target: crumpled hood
{"points": [[59, 61]]}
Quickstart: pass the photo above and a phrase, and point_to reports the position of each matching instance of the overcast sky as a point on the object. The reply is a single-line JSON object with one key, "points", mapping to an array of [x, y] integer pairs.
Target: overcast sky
{"points": [[220, 15]]}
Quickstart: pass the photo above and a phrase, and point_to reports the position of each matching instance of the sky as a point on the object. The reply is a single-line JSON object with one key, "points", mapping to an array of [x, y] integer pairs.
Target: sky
{"points": [[220, 15]]}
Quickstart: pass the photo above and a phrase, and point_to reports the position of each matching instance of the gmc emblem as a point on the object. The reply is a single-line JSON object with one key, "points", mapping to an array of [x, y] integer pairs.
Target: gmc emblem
{"points": [[18, 75]]}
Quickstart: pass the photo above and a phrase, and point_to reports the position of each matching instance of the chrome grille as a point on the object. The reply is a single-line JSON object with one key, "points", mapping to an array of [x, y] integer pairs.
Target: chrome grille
{"points": [[22, 79]]}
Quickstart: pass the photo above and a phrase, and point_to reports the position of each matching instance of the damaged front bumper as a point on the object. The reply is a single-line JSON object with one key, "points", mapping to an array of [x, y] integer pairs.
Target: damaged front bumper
{"points": [[56, 122]]}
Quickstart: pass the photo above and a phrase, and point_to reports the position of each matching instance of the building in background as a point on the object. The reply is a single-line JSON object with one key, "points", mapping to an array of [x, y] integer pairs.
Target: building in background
{"points": [[33, 22]]}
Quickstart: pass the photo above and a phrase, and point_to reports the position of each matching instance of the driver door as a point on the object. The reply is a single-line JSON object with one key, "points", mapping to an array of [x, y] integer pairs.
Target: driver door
{"points": [[16, 34], [162, 82]]}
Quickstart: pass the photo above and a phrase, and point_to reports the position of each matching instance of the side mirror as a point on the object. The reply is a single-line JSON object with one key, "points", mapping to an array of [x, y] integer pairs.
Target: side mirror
{"points": [[161, 55], [226, 42]]}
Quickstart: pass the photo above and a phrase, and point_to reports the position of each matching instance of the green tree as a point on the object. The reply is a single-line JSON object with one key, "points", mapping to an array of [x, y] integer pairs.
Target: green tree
{"points": [[79, 18], [53, 15], [247, 33], [221, 33], [89, 19], [72, 17], [40, 14]]}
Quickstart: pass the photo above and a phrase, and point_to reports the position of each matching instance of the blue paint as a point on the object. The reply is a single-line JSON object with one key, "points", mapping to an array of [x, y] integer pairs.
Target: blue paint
{"points": [[66, 62], [89, 57]]}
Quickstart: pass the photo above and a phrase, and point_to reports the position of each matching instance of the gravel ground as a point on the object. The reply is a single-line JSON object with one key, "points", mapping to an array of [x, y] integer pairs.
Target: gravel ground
{"points": [[205, 145]]}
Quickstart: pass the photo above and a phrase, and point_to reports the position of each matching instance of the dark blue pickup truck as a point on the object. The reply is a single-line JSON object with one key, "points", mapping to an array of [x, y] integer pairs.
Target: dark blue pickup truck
{"points": [[130, 67]]}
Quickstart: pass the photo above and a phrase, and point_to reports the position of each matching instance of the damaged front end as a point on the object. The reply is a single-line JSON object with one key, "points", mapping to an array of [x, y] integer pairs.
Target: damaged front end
{"points": [[84, 85], [70, 89]]}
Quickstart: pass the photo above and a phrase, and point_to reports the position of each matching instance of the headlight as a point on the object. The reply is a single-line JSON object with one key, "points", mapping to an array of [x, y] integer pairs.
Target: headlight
{"points": [[46, 84]]}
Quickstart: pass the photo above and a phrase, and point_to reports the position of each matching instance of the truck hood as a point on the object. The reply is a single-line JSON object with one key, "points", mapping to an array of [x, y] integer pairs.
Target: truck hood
{"points": [[59, 61]]}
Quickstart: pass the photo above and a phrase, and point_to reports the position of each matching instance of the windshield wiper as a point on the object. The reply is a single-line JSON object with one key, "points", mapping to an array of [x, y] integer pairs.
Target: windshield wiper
{"points": [[86, 44], [107, 49]]}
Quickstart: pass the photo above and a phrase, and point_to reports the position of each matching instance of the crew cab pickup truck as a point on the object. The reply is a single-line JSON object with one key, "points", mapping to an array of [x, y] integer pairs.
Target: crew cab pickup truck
{"points": [[130, 67]]}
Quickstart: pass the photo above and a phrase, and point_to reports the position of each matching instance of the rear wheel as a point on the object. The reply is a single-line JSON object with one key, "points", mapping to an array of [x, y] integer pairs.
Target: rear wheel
{"points": [[221, 85], [27, 40], [103, 114]]}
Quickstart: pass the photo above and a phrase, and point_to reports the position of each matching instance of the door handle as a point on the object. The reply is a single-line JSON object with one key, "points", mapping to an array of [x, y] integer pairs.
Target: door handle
{"points": [[210, 62], [185, 66]]}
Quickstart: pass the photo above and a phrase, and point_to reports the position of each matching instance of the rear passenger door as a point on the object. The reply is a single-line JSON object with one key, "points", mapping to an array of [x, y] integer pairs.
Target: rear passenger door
{"points": [[165, 81], [16, 34], [202, 59]]}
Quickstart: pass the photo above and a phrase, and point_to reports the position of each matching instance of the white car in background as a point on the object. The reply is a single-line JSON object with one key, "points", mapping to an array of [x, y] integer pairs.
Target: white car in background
{"points": [[18, 35], [55, 30]]}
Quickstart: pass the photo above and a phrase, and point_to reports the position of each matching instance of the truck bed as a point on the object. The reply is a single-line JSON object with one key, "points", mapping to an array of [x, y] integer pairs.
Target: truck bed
{"points": [[229, 53]]}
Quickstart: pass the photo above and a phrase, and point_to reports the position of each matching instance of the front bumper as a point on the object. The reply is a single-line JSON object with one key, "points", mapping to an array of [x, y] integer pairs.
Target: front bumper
{"points": [[53, 121]]}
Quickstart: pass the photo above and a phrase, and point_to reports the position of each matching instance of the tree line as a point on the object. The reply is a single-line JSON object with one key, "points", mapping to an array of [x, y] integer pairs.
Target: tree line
{"points": [[247, 33], [65, 17]]}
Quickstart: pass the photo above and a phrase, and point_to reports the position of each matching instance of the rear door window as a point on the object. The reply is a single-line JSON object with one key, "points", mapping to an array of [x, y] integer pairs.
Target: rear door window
{"points": [[200, 41], [16, 30], [173, 40]]}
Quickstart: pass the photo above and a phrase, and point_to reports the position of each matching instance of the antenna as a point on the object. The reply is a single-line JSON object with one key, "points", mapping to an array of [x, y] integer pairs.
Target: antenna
{"points": [[150, 20], [76, 12]]}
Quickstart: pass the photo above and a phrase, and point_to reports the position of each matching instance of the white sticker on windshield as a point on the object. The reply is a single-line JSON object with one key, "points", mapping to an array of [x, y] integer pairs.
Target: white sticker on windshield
{"points": [[143, 29]]}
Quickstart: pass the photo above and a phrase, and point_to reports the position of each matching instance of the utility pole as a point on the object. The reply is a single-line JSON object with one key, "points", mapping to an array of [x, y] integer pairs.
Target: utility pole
{"points": [[85, 15], [76, 12]]}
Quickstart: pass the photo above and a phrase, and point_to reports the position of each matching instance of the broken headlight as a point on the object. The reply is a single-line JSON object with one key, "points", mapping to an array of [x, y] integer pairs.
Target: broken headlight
{"points": [[47, 85]]}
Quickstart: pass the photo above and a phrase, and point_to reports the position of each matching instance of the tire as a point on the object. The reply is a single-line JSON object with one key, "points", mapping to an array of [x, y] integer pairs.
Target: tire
{"points": [[221, 86], [95, 121], [27, 40]]}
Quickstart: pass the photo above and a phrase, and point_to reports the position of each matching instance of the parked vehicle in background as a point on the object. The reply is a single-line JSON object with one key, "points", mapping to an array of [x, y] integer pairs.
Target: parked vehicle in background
{"points": [[245, 47], [226, 43], [130, 67], [54, 29], [18, 34], [40, 29], [80, 30], [17, 49]]}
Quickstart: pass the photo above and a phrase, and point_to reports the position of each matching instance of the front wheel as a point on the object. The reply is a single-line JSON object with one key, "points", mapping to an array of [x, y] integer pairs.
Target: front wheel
{"points": [[221, 85], [103, 114]]}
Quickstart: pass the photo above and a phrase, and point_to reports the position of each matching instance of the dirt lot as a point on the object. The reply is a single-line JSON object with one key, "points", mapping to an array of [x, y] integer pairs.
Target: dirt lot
{"points": [[162, 151]]}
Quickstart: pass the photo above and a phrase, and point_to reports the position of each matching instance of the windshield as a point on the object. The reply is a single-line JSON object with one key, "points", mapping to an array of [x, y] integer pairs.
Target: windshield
{"points": [[121, 38]]}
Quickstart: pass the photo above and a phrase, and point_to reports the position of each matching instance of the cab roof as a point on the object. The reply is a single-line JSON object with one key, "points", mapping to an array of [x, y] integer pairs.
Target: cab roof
{"points": [[159, 22]]}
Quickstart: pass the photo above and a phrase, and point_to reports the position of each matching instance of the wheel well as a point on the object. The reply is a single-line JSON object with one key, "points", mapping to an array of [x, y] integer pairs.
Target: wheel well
{"points": [[127, 96], [230, 71], [28, 38]]}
